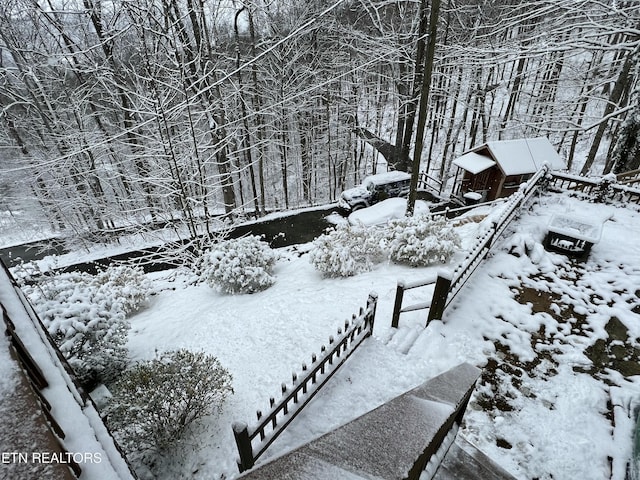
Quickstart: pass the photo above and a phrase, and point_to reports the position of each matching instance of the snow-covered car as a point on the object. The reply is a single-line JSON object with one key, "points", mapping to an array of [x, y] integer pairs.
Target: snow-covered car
{"points": [[383, 212], [374, 189]]}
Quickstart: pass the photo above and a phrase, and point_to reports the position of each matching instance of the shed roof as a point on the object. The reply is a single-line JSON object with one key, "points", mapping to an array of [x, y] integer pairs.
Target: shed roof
{"points": [[515, 157], [473, 162]]}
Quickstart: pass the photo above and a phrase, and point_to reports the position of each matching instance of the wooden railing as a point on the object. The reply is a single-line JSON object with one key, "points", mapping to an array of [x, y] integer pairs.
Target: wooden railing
{"points": [[403, 287], [426, 182], [456, 212], [599, 189], [252, 442], [37, 381], [567, 181], [629, 178], [83, 396], [447, 285]]}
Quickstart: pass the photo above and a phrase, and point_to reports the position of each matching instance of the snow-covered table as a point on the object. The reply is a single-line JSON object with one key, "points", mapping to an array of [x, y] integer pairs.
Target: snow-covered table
{"points": [[471, 198]]}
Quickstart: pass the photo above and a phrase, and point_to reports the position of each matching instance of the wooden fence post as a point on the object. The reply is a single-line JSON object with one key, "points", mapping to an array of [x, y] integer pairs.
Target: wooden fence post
{"points": [[439, 299], [243, 442], [372, 304], [492, 237], [397, 306]]}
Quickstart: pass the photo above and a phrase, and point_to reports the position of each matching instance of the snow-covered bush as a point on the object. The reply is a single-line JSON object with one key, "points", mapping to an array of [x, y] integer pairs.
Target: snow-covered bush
{"points": [[156, 404], [351, 249], [421, 240], [346, 250], [128, 285], [604, 190], [243, 265], [86, 316]]}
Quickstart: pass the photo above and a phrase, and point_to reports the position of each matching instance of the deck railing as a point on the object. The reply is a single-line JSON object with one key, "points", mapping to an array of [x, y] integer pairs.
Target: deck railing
{"points": [[252, 442], [447, 285], [629, 178], [429, 183], [601, 189], [37, 380]]}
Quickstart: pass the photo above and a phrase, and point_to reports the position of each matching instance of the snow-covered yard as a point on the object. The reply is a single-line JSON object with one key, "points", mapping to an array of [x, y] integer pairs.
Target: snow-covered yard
{"points": [[546, 407]]}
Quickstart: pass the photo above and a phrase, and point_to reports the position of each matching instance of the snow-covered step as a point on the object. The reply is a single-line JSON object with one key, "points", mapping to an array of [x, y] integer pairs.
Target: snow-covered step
{"points": [[394, 441], [405, 337]]}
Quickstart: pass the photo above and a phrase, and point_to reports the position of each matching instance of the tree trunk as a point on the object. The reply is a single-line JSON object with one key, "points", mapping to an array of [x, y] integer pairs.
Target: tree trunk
{"points": [[424, 102], [246, 141], [614, 98]]}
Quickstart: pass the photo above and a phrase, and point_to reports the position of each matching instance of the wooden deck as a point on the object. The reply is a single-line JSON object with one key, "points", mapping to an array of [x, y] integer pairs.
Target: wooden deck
{"points": [[24, 430]]}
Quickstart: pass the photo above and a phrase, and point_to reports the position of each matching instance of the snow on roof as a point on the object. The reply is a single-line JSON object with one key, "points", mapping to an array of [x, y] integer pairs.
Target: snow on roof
{"points": [[524, 155], [473, 162], [382, 178]]}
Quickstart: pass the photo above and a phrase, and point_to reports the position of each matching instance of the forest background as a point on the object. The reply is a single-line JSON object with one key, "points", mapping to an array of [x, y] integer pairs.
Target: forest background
{"points": [[156, 112]]}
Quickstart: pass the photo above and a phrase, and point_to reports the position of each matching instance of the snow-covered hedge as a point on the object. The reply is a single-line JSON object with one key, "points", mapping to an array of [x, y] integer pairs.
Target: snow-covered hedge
{"points": [[421, 241], [86, 316], [156, 404], [351, 249], [243, 265], [346, 250]]}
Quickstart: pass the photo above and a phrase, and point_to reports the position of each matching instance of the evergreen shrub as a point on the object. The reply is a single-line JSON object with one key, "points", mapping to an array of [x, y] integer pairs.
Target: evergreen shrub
{"points": [[346, 250], [243, 265], [421, 240], [86, 316]]}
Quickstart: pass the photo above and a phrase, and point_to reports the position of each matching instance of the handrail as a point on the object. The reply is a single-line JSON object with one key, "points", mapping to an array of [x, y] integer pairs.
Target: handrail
{"points": [[629, 181], [601, 188], [424, 177], [304, 388], [625, 176], [455, 212], [483, 245], [400, 289], [447, 285], [39, 382]]}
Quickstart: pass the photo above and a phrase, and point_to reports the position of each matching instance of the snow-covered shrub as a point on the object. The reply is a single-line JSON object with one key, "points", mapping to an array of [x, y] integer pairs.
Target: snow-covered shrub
{"points": [[86, 316], [156, 404], [604, 190], [346, 250], [243, 265], [128, 285], [421, 240]]}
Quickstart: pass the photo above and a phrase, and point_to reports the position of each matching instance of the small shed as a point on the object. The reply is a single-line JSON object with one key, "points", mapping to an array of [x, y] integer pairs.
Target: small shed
{"points": [[497, 168]]}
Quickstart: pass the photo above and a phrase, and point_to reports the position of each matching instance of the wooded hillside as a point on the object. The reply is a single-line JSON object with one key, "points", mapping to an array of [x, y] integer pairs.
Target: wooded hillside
{"points": [[131, 111]]}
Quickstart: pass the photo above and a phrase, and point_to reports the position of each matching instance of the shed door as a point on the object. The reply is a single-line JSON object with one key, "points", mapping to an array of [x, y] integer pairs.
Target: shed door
{"points": [[480, 181]]}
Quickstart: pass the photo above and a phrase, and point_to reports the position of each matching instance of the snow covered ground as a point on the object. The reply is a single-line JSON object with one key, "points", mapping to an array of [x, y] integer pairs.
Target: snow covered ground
{"points": [[534, 320], [542, 409]]}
